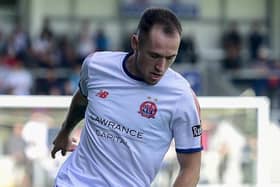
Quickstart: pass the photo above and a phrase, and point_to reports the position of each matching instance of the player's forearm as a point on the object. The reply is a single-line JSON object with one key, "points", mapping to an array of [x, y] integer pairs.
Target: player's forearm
{"points": [[76, 111], [187, 178]]}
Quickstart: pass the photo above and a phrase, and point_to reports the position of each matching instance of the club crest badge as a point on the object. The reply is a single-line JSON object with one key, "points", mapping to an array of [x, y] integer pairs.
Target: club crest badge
{"points": [[148, 109]]}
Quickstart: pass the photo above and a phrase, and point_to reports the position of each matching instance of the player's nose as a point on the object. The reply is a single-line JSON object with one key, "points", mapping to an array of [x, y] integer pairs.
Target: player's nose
{"points": [[160, 65]]}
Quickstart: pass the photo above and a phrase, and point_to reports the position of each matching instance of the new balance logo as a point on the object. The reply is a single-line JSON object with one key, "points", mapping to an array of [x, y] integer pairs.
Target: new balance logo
{"points": [[102, 94]]}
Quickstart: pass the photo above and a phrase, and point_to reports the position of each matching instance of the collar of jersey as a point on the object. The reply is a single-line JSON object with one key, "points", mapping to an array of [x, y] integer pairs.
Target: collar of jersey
{"points": [[126, 70]]}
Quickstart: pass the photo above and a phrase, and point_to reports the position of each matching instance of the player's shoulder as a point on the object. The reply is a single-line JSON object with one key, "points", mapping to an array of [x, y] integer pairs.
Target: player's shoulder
{"points": [[183, 87], [179, 85], [102, 58], [105, 56], [105, 61], [176, 80]]}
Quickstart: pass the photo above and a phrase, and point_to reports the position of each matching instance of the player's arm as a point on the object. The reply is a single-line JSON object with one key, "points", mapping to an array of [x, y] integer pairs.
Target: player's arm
{"points": [[190, 162], [74, 115], [189, 169]]}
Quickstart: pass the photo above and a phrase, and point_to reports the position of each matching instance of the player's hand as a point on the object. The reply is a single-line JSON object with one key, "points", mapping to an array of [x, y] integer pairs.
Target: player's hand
{"points": [[63, 143]]}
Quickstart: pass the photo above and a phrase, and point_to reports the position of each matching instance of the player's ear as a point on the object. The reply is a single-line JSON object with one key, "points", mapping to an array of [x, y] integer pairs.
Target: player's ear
{"points": [[134, 42]]}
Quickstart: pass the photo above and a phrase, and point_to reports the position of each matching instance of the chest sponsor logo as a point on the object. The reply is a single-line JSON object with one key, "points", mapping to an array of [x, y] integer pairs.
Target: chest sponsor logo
{"points": [[113, 131], [102, 94], [196, 130], [148, 109]]}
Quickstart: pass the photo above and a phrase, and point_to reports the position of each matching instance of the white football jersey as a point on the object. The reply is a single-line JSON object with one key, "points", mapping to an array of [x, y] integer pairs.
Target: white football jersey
{"points": [[129, 125]]}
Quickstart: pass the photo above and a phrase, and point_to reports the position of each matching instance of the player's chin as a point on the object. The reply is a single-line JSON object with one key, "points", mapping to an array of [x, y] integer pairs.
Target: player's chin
{"points": [[152, 82], [152, 79]]}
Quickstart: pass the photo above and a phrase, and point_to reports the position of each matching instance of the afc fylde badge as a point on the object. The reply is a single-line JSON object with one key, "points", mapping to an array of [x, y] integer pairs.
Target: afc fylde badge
{"points": [[148, 109]]}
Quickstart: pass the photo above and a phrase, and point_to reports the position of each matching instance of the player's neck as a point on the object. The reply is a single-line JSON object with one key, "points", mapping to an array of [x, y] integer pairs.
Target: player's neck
{"points": [[130, 65]]}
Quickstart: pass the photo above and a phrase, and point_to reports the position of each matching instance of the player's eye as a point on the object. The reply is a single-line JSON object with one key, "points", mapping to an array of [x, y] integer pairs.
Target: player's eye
{"points": [[171, 58], [155, 56]]}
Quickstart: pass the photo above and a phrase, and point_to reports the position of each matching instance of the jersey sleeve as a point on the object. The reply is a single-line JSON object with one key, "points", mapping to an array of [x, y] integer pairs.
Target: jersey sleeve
{"points": [[83, 84], [186, 125]]}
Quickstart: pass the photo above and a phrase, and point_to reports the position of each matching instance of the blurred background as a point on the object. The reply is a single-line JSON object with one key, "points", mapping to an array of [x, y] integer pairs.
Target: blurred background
{"points": [[228, 48]]}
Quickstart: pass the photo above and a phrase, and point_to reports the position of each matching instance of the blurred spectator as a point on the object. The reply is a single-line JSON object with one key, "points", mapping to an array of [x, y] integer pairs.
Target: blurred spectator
{"points": [[263, 66], [263, 61], [125, 45], [15, 78], [43, 49], [67, 54], [249, 154], [85, 44], [47, 28], [4, 72], [10, 57], [274, 84], [231, 44], [101, 40], [2, 42], [35, 135], [225, 145], [195, 80], [14, 147], [255, 40], [19, 81], [50, 84], [15, 144], [187, 50], [20, 41], [73, 81]]}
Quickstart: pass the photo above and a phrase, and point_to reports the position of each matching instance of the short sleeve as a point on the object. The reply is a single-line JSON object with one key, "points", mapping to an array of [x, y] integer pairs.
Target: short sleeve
{"points": [[83, 84], [186, 125]]}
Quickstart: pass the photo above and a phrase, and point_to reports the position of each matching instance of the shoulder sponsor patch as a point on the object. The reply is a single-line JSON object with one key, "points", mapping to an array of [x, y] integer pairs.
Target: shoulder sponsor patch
{"points": [[196, 130]]}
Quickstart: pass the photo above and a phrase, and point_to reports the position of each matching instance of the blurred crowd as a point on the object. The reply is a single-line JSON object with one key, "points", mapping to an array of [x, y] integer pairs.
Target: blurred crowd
{"points": [[49, 64], [261, 71], [266, 80]]}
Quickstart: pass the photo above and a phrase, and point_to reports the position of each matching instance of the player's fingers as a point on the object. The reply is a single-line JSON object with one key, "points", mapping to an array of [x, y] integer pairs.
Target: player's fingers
{"points": [[54, 150], [63, 152]]}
